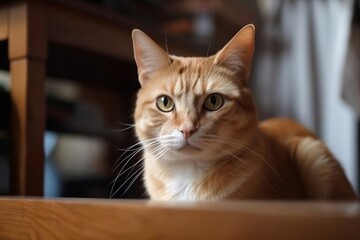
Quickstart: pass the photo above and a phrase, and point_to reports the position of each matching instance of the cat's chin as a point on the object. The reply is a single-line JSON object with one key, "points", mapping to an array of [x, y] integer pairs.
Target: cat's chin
{"points": [[187, 153], [188, 148]]}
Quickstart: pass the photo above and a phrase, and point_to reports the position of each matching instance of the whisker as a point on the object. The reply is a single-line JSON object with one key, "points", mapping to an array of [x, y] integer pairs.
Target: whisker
{"points": [[113, 182], [128, 159], [209, 73], [208, 49], [135, 151], [140, 143], [132, 148], [167, 51], [132, 182], [122, 130], [134, 165], [127, 125], [138, 172], [212, 69]]}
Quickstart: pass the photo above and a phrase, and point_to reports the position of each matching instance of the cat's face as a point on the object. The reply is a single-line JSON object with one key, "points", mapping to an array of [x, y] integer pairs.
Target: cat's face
{"points": [[192, 108]]}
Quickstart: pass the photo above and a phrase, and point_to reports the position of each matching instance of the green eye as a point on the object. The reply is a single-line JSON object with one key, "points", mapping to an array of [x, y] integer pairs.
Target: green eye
{"points": [[213, 102], [165, 103]]}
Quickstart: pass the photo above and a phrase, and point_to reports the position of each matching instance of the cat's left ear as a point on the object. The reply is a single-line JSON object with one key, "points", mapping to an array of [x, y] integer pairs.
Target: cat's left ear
{"points": [[238, 52], [149, 56]]}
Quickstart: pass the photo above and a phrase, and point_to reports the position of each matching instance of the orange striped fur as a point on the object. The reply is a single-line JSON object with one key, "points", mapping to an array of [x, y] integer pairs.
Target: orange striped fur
{"points": [[197, 152]]}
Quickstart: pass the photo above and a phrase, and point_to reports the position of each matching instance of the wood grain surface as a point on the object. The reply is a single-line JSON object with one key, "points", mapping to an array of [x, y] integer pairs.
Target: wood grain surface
{"points": [[36, 218]]}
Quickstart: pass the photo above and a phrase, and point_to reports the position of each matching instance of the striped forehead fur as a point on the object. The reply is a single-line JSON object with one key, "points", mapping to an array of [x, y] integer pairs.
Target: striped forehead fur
{"points": [[200, 76]]}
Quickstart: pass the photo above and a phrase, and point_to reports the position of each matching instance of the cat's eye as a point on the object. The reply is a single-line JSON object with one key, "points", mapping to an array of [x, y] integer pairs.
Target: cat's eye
{"points": [[213, 102], [165, 103]]}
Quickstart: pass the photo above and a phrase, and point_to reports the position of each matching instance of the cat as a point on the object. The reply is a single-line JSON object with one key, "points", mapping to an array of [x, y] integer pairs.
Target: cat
{"points": [[202, 141]]}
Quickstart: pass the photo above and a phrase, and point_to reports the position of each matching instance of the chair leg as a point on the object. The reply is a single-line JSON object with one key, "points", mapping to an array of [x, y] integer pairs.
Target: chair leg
{"points": [[27, 126], [27, 56]]}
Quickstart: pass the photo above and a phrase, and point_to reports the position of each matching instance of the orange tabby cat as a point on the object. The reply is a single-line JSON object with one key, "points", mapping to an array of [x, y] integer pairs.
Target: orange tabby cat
{"points": [[197, 122]]}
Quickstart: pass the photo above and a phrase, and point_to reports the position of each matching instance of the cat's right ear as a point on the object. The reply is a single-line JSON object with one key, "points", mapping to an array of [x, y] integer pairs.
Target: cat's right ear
{"points": [[149, 56], [238, 52]]}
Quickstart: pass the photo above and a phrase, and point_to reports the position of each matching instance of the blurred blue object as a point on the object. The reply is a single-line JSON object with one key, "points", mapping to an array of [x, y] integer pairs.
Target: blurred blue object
{"points": [[52, 183]]}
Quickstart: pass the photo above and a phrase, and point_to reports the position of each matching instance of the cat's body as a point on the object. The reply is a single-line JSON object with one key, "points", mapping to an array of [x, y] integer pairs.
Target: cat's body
{"points": [[202, 141]]}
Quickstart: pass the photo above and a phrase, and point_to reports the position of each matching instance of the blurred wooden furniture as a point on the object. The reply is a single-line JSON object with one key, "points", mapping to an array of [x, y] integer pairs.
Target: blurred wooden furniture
{"points": [[29, 26], [114, 219]]}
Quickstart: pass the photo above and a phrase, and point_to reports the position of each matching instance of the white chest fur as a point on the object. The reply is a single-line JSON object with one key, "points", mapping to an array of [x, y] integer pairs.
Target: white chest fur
{"points": [[184, 181]]}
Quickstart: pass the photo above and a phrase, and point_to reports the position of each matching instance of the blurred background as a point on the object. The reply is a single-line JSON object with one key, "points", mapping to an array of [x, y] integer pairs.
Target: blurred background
{"points": [[306, 67]]}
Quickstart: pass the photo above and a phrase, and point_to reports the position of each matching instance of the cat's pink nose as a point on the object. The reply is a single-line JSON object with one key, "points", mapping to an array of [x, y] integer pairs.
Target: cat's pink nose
{"points": [[187, 129]]}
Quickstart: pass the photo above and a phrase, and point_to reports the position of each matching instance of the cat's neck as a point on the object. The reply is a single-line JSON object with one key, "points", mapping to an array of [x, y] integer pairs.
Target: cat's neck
{"points": [[169, 179]]}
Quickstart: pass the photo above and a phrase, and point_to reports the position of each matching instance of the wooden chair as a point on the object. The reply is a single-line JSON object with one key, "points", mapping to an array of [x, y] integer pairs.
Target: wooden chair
{"points": [[29, 26]]}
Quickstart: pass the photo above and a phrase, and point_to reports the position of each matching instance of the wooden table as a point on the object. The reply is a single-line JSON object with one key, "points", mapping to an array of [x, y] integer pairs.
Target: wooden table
{"points": [[33, 218], [29, 26]]}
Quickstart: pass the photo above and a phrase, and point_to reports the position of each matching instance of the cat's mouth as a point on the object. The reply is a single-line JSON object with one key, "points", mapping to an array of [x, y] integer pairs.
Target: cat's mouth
{"points": [[188, 147]]}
